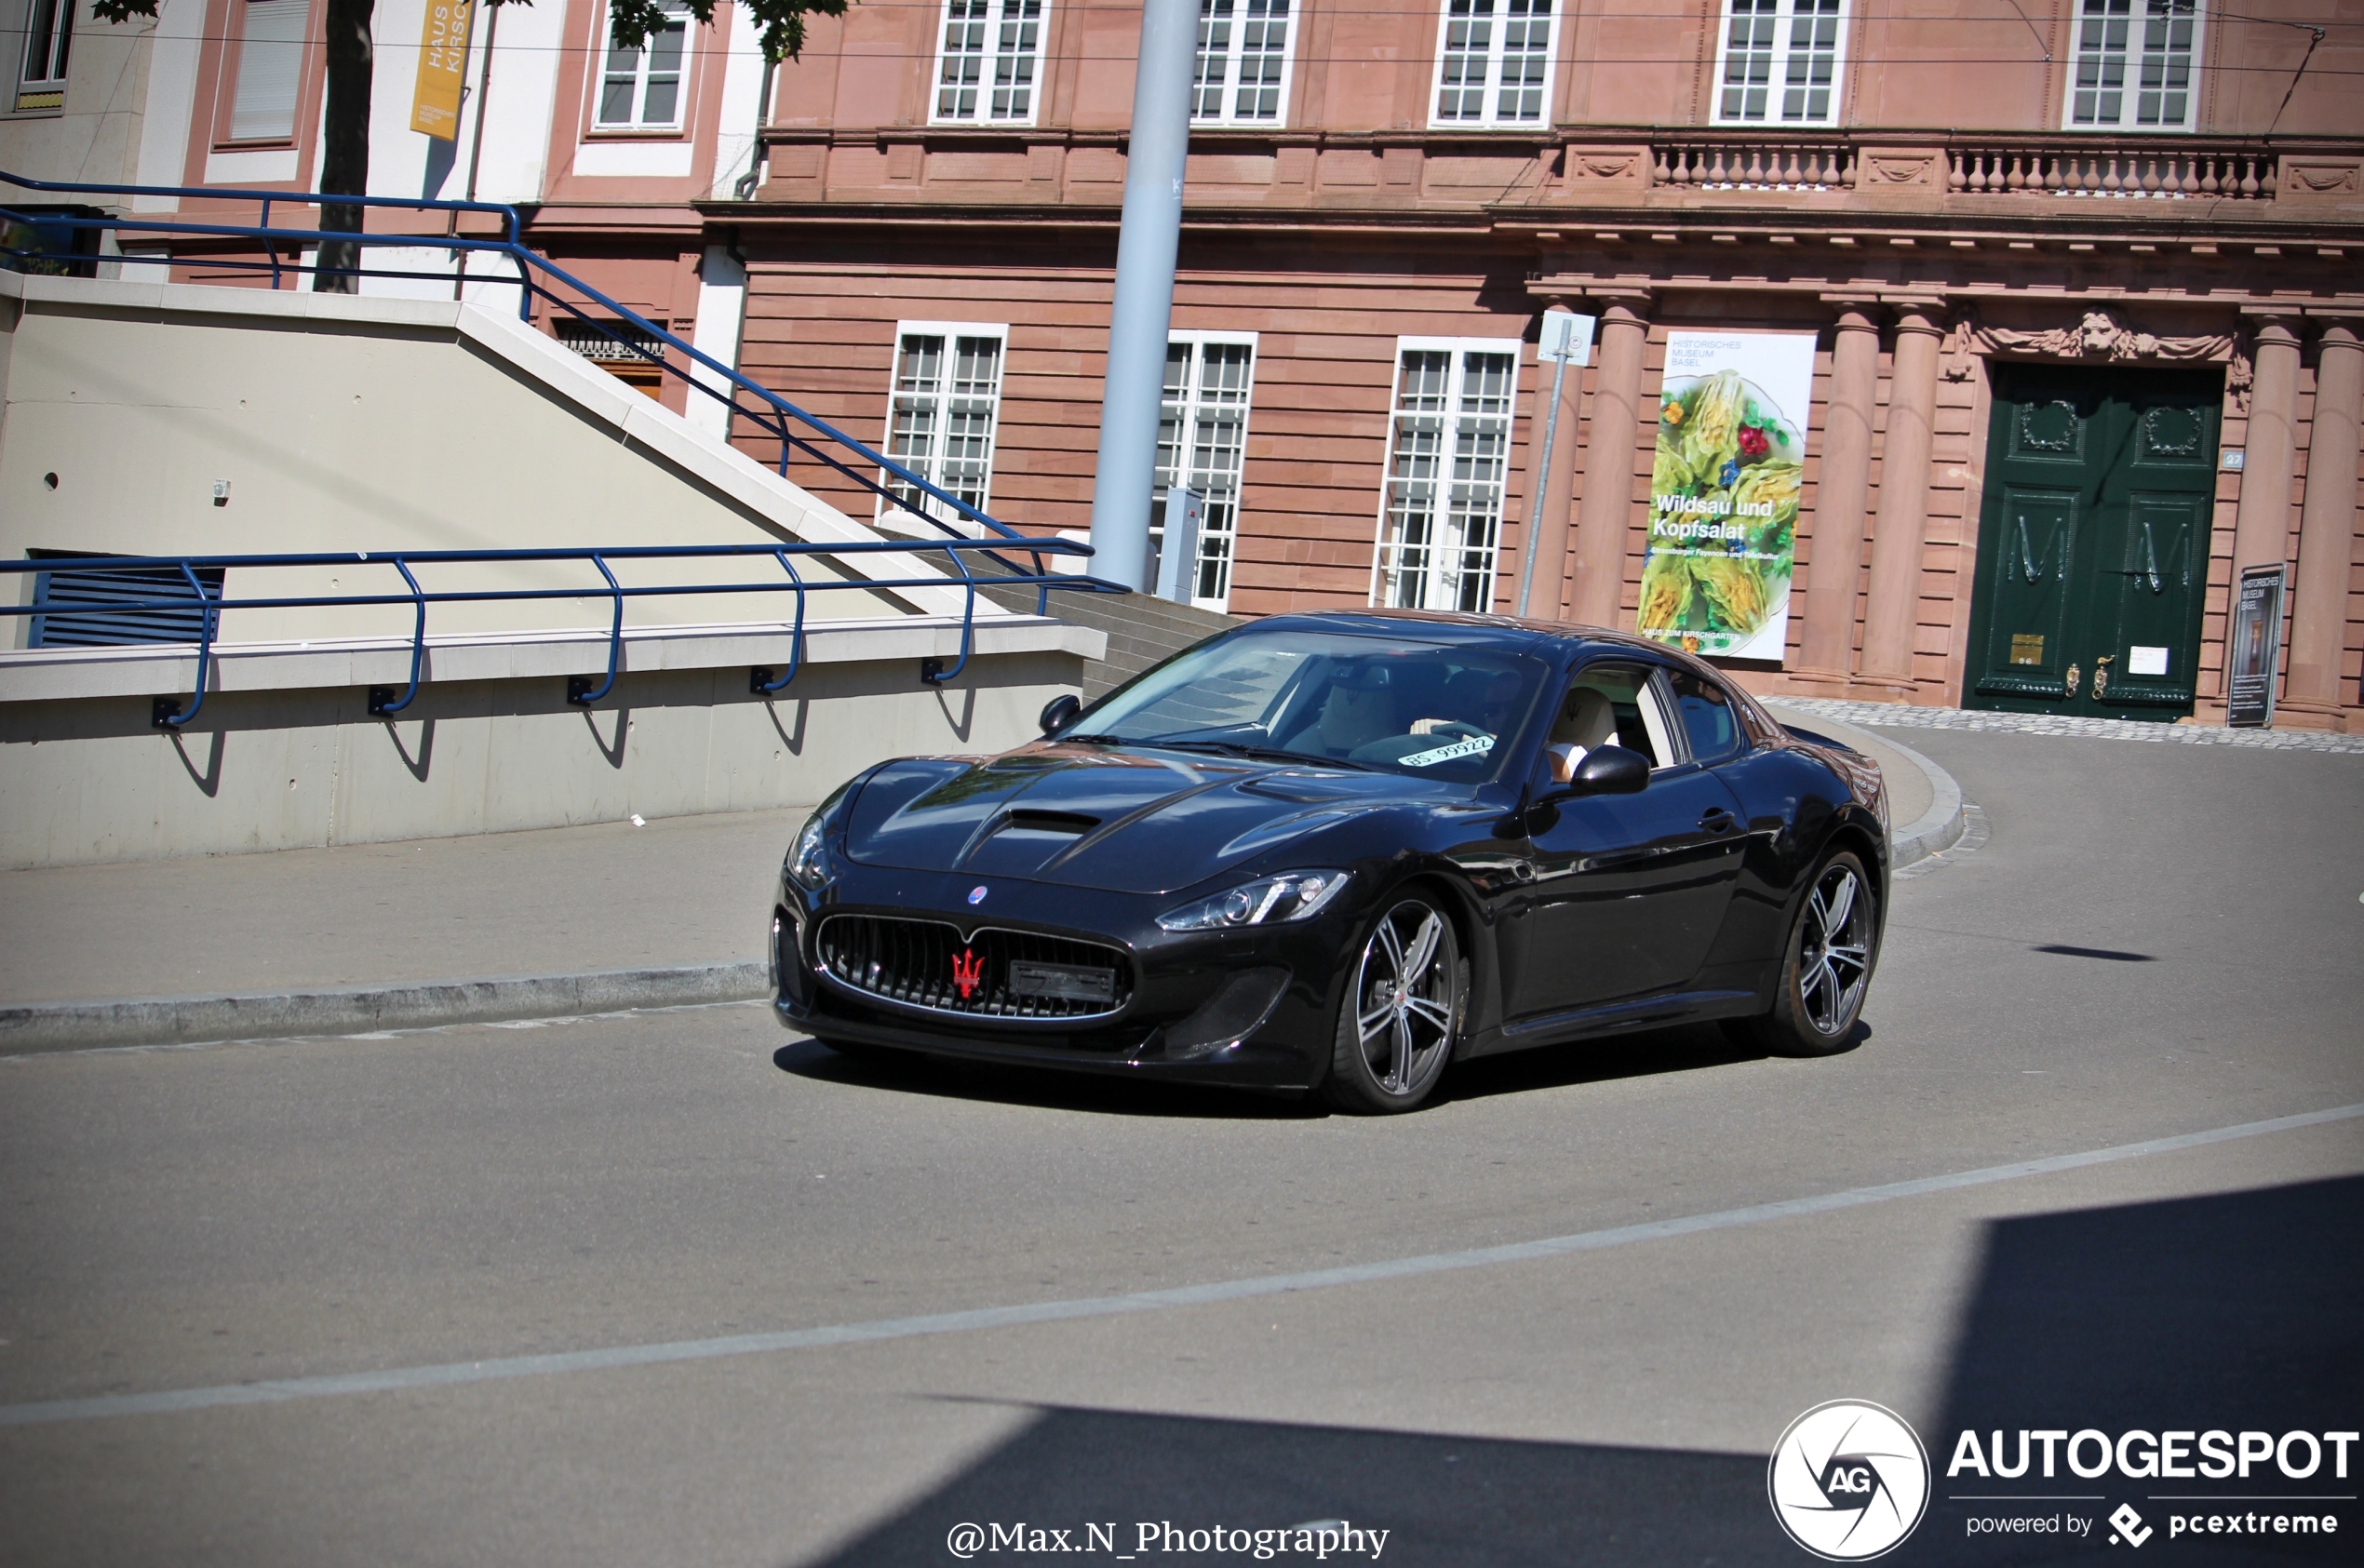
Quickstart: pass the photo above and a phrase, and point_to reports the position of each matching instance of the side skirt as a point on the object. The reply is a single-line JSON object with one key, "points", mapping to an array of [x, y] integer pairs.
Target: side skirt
{"points": [[1646, 1013]]}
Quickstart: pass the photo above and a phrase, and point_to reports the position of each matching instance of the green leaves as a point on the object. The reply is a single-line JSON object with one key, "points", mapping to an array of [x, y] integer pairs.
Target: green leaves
{"points": [[630, 23]]}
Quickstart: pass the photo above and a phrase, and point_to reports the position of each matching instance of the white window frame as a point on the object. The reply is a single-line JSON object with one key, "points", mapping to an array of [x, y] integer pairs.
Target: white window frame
{"points": [[603, 68], [2131, 63], [54, 43], [1240, 21], [1490, 117], [930, 462], [1435, 574], [1784, 60], [1002, 61], [1219, 521]]}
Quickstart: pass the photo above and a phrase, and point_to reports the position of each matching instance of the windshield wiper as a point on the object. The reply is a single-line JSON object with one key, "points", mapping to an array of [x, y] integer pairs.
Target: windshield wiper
{"points": [[1096, 740]]}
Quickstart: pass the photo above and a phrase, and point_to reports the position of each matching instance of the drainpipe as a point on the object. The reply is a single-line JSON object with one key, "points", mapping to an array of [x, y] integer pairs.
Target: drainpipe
{"points": [[746, 186]]}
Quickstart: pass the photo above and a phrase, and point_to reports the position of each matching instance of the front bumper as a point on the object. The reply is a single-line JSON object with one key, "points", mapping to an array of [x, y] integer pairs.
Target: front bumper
{"points": [[1249, 1006]]}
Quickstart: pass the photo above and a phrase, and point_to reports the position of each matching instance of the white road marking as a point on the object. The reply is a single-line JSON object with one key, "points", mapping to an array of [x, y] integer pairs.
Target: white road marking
{"points": [[403, 1379]]}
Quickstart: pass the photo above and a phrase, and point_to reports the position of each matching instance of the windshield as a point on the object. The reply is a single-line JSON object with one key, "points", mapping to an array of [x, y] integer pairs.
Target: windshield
{"points": [[1429, 709]]}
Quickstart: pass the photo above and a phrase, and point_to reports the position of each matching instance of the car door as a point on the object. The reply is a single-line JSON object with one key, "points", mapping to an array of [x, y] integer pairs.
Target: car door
{"points": [[1628, 891]]}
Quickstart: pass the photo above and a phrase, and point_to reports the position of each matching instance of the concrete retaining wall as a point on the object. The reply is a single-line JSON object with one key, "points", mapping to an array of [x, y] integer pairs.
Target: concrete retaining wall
{"points": [[90, 780]]}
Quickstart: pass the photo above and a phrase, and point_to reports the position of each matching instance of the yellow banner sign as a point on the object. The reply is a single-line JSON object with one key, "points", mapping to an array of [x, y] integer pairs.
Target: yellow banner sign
{"points": [[443, 57]]}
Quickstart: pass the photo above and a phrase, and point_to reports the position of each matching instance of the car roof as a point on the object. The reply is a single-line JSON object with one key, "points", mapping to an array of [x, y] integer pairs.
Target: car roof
{"points": [[1498, 631]]}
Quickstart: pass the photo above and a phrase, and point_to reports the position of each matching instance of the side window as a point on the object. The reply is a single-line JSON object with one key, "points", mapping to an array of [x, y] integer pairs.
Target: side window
{"points": [[1709, 720], [1610, 705]]}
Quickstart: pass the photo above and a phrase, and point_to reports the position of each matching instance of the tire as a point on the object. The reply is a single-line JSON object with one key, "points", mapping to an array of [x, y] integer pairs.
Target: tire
{"points": [[1400, 1013], [1826, 965]]}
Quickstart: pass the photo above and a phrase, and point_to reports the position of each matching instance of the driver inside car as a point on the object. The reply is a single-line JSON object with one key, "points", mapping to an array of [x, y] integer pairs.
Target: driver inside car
{"points": [[1586, 720], [1475, 704]]}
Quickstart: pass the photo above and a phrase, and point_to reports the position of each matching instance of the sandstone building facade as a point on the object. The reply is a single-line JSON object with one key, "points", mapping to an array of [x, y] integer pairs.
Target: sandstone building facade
{"points": [[2083, 282]]}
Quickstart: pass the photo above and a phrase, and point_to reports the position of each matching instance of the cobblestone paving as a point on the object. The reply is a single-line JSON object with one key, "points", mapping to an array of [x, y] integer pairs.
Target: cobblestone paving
{"points": [[1896, 715]]}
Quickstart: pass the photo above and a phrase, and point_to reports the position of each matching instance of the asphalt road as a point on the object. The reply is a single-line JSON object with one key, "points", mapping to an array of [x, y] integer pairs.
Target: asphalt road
{"points": [[2157, 942]]}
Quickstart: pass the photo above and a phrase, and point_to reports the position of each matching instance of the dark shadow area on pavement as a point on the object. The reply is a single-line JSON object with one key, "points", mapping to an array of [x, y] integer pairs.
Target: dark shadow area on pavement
{"points": [[2061, 949], [1483, 1503], [2237, 1311]]}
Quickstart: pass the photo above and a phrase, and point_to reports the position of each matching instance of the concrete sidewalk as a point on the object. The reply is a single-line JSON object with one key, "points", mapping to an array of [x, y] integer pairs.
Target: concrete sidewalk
{"points": [[445, 931], [502, 925]]}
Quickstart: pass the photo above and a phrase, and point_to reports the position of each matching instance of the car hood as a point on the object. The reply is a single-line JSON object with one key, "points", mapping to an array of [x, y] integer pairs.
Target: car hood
{"points": [[1126, 821]]}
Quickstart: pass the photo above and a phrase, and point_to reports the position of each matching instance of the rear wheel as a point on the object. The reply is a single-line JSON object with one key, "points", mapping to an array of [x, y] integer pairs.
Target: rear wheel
{"points": [[1401, 1013], [1827, 966]]}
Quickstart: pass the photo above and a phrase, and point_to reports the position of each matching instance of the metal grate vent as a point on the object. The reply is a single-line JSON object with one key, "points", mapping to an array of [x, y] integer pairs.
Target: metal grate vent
{"points": [[92, 604]]}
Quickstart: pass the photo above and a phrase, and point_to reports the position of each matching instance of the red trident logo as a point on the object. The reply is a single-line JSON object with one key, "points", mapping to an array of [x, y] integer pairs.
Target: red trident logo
{"points": [[966, 970]]}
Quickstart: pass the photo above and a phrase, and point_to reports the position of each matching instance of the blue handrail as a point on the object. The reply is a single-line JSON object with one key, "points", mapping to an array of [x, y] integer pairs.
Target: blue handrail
{"points": [[169, 714], [775, 415]]}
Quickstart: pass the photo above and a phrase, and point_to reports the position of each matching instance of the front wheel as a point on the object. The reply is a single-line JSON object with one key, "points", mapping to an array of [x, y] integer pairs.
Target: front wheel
{"points": [[1400, 1012], [1827, 966]]}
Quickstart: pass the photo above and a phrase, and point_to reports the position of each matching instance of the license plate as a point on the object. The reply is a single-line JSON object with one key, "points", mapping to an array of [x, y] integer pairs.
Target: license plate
{"points": [[1063, 982]]}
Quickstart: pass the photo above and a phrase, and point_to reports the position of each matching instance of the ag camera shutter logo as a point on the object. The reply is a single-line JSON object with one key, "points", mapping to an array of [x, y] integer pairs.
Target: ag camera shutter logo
{"points": [[1849, 1480]]}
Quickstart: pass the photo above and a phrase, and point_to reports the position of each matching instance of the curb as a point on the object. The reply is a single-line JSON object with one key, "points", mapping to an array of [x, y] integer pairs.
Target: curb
{"points": [[1936, 830], [360, 1009]]}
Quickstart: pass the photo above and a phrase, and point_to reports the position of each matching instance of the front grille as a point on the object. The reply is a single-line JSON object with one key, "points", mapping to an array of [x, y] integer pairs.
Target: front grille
{"points": [[921, 963]]}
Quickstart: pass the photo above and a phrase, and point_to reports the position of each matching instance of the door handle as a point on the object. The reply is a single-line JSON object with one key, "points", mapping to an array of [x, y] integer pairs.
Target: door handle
{"points": [[1719, 820]]}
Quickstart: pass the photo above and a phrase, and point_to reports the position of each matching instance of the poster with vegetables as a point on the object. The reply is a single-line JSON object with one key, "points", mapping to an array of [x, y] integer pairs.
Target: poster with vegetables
{"points": [[1724, 492]]}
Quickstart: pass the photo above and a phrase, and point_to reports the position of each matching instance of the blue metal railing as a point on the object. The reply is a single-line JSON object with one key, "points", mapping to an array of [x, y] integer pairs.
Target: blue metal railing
{"points": [[169, 714], [796, 430]]}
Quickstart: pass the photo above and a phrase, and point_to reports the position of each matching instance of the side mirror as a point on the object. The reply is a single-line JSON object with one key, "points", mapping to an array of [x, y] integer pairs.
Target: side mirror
{"points": [[1604, 771], [1059, 712]]}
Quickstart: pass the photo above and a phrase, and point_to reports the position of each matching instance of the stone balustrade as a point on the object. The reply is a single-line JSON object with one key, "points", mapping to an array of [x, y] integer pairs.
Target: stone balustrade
{"points": [[1753, 166], [2155, 170]]}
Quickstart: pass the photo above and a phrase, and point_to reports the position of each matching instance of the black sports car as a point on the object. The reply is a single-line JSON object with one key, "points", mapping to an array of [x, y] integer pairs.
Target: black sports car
{"points": [[1337, 852]]}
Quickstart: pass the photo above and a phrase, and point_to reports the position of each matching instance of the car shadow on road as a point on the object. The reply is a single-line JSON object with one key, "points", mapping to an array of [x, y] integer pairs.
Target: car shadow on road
{"points": [[1644, 1053], [1001, 1083]]}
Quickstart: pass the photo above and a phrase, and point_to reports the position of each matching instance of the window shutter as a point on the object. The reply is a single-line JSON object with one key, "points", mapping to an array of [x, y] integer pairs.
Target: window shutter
{"points": [[270, 70]]}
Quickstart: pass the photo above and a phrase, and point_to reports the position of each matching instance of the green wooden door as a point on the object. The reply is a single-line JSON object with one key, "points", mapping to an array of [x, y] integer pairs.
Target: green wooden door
{"points": [[2092, 562]]}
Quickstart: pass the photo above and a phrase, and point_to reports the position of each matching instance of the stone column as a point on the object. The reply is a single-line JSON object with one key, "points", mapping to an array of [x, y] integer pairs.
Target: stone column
{"points": [[2261, 529], [1893, 613], [1556, 491], [1604, 515], [2319, 609], [1827, 644]]}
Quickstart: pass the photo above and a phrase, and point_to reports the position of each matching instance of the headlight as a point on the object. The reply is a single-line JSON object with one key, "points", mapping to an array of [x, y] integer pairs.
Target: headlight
{"points": [[807, 857], [1291, 895]]}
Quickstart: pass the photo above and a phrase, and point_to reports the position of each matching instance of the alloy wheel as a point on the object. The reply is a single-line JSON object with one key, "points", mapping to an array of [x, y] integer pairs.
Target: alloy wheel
{"points": [[1834, 948], [1405, 1000]]}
